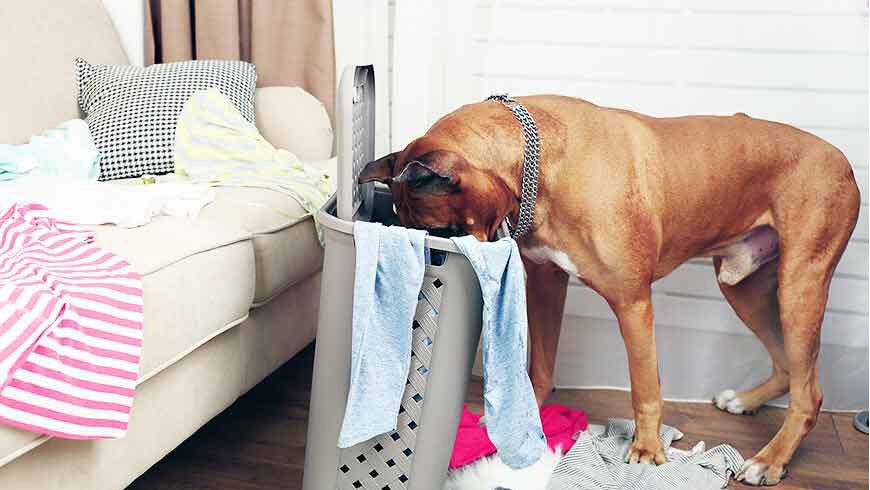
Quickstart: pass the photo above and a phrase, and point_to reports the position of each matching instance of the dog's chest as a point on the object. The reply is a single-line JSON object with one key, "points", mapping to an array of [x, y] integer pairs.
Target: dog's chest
{"points": [[541, 254]]}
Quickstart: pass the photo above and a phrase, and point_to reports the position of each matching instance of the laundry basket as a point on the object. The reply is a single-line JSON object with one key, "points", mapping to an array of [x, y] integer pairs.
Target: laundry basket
{"points": [[446, 330]]}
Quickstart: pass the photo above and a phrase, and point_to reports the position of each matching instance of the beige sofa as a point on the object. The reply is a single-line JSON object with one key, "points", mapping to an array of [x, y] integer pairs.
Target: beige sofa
{"points": [[229, 296]]}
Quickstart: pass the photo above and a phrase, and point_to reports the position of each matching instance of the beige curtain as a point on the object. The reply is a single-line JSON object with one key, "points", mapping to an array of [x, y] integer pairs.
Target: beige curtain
{"points": [[290, 41]]}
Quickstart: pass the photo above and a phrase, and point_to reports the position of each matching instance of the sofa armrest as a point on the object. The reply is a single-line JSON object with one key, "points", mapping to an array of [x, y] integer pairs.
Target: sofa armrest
{"points": [[294, 120]]}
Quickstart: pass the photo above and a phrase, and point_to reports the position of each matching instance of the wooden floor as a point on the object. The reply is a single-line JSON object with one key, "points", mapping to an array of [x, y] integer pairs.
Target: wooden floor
{"points": [[259, 442]]}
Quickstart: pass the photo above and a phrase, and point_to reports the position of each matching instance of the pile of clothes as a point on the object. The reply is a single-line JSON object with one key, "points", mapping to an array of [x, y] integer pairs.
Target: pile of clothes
{"points": [[560, 424], [590, 457]]}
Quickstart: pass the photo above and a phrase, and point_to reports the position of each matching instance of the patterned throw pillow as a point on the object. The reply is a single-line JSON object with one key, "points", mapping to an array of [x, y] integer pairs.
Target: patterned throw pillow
{"points": [[132, 111]]}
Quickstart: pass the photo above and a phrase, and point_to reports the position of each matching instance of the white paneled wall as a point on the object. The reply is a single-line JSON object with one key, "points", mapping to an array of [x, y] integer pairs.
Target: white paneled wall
{"points": [[362, 37], [800, 62]]}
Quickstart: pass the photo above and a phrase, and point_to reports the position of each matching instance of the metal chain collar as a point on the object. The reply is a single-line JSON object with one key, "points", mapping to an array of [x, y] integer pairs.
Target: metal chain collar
{"points": [[531, 153]]}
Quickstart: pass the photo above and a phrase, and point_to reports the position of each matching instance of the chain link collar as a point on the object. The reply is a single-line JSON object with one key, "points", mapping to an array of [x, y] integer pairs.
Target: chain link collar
{"points": [[531, 153]]}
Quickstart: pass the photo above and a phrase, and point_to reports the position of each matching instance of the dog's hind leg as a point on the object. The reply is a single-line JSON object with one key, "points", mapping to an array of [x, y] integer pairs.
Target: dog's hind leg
{"points": [[754, 299], [813, 235], [803, 294], [546, 287]]}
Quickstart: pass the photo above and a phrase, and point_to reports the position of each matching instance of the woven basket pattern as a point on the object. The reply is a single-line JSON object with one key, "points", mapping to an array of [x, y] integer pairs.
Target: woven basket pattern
{"points": [[384, 462], [361, 155]]}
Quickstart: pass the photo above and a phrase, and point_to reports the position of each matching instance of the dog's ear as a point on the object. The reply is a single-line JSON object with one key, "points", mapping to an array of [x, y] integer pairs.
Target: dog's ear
{"points": [[435, 172], [422, 177], [380, 170]]}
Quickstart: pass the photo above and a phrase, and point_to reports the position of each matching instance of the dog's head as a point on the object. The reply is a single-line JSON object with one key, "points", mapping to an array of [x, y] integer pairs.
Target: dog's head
{"points": [[440, 191]]}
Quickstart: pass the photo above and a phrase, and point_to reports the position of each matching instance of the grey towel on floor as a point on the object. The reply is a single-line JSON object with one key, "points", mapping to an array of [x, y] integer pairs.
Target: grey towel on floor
{"points": [[596, 462]]}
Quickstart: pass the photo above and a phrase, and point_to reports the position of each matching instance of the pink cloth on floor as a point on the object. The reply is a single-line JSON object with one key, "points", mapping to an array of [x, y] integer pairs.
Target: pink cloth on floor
{"points": [[560, 423]]}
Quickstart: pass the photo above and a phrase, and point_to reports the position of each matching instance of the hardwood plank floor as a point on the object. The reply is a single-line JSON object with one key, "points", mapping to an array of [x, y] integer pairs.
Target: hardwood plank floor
{"points": [[259, 442]]}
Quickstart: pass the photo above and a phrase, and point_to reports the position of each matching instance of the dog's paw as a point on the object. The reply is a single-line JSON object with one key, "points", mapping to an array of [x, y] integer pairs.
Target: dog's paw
{"points": [[482, 421], [757, 471], [645, 453], [728, 401]]}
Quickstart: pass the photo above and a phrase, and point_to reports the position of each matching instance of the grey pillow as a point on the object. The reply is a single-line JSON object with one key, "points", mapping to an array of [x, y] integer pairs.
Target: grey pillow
{"points": [[132, 111]]}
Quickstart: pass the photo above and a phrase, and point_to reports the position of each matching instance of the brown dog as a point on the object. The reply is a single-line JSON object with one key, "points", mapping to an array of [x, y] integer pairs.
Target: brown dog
{"points": [[623, 200]]}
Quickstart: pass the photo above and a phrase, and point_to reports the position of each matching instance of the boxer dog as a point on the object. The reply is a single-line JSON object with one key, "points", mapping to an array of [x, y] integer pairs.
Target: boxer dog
{"points": [[623, 200]]}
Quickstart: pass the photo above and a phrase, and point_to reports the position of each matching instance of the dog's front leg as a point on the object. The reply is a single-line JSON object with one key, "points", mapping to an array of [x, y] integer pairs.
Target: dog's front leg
{"points": [[546, 286], [636, 324]]}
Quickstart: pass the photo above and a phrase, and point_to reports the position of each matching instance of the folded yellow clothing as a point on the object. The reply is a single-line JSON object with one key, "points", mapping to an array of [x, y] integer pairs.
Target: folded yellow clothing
{"points": [[215, 145]]}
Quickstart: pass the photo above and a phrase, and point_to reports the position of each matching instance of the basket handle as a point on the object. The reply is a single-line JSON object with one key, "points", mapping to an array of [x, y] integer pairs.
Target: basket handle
{"points": [[355, 141]]}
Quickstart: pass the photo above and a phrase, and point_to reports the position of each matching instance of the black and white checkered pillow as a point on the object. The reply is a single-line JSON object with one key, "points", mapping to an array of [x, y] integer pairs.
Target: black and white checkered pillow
{"points": [[132, 111]]}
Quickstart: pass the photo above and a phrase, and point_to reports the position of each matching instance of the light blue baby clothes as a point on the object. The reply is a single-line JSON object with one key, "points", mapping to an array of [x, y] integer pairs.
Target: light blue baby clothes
{"points": [[513, 421], [390, 262], [65, 151]]}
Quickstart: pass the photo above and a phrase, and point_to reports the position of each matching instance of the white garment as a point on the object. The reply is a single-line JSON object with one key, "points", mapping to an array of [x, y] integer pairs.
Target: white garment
{"points": [[67, 150], [96, 203]]}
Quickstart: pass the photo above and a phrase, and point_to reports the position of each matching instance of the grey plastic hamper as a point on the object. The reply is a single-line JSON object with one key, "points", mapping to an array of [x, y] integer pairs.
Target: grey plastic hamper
{"points": [[446, 330]]}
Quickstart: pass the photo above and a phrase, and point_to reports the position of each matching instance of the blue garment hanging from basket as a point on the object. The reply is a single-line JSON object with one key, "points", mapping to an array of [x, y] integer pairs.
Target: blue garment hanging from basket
{"points": [[513, 421], [390, 262]]}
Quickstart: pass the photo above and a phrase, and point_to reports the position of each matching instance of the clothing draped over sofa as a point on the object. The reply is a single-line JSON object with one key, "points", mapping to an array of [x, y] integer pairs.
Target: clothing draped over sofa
{"points": [[215, 145], [70, 328]]}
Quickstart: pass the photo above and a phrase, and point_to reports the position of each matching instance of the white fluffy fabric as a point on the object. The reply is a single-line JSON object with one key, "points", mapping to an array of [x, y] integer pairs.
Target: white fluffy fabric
{"points": [[491, 473], [85, 202]]}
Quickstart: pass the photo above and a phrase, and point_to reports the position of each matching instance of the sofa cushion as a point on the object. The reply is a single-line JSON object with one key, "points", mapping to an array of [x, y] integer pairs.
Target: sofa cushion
{"points": [[279, 112], [286, 249], [38, 43], [15, 442], [198, 279]]}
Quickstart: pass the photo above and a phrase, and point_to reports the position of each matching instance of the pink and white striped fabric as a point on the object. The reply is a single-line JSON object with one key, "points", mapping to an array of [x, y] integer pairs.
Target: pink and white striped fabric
{"points": [[70, 328]]}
